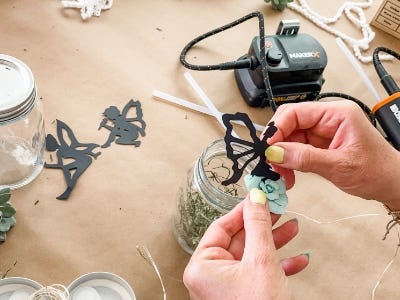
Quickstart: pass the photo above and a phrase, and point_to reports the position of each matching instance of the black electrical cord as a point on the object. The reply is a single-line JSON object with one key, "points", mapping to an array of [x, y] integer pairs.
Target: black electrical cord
{"points": [[387, 81], [237, 64], [251, 62], [364, 107]]}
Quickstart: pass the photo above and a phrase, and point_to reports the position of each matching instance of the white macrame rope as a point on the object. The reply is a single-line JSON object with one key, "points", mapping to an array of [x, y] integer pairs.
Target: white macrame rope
{"points": [[355, 13], [89, 8]]}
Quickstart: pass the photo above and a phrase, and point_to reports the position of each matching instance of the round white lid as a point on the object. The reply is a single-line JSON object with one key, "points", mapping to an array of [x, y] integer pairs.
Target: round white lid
{"points": [[100, 285], [17, 86], [11, 287]]}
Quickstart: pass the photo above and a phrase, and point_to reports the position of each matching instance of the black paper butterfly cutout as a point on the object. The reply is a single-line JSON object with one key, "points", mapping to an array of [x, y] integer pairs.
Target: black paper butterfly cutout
{"points": [[252, 150], [68, 148], [125, 130]]}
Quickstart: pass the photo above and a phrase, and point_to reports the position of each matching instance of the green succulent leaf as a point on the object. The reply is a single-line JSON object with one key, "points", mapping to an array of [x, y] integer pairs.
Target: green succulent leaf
{"points": [[4, 190], [279, 4], [6, 213], [7, 210], [6, 224], [5, 195]]}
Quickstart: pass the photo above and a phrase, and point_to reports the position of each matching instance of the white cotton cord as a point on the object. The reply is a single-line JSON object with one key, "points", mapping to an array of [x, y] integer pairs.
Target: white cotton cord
{"points": [[332, 221], [52, 292], [145, 253], [354, 217], [355, 13], [386, 268], [89, 8]]}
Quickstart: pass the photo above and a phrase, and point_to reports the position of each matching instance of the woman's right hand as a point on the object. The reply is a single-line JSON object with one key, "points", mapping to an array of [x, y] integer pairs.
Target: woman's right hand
{"points": [[337, 141]]}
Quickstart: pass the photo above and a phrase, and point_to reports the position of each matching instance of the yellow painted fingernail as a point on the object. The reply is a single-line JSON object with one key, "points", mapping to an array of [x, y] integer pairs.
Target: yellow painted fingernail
{"points": [[257, 196], [275, 154]]}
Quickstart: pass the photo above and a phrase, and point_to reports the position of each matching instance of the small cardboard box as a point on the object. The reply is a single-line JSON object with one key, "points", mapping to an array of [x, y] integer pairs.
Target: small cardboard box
{"points": [[387, 17]]}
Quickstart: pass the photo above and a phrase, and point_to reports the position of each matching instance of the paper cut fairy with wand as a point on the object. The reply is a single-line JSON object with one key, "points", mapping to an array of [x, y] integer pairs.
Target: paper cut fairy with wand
{"points": [[80, 153], [125, 130]]}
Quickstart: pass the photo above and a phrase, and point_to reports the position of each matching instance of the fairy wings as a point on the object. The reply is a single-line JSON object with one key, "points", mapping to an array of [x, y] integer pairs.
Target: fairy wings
{"points": [[242, 152]]}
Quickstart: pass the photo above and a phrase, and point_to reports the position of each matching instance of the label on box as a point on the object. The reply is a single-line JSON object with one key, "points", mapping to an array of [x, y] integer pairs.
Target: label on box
{"points": [[387, 17]]}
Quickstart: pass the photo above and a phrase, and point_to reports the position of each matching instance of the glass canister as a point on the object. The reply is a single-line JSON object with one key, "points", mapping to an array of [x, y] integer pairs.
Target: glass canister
{"points": [[202, 198], [22, 136]]}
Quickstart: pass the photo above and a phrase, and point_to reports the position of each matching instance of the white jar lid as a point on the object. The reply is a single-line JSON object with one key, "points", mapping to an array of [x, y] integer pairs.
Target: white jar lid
{"points": [[100, 285], [17, 88], [17, 287]]}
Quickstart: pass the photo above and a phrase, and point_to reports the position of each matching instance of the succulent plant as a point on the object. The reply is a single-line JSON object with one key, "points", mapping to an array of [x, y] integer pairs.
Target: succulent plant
{"points": [[7, 213], [279, 4]]}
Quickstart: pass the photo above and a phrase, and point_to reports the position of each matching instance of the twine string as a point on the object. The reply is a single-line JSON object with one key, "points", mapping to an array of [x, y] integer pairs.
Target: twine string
{"points": [[145, 253], [388, 266], [331, 221], [52, 292]]}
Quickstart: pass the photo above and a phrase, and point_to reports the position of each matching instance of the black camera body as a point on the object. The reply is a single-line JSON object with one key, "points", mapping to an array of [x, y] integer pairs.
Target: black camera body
{"points": [[295, 62]]}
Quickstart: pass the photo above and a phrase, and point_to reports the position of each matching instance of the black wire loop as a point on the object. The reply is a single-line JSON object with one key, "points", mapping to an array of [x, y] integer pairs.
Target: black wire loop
{"points": [[233, 64]]}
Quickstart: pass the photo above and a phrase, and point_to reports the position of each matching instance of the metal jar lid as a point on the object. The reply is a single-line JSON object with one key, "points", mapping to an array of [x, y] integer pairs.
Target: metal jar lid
{"points": [[17, 88], [101, 285], [12, 286]]}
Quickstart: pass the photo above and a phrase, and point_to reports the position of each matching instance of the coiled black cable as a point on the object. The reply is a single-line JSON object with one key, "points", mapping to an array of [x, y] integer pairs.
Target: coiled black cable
{"points": [[387, 81], [250, 62], [363, 106]]}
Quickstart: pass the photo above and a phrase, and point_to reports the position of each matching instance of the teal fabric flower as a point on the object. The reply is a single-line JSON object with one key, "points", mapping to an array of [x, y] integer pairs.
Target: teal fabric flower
{"points": [[275, 191]]}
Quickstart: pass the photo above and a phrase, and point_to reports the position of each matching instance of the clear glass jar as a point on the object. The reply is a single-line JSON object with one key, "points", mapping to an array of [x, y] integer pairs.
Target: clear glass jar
{"points": [[22, 135], [202, 198]]}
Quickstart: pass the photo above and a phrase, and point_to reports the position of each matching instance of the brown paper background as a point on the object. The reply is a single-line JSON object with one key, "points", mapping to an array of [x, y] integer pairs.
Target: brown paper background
{"points": [[127, 196]]}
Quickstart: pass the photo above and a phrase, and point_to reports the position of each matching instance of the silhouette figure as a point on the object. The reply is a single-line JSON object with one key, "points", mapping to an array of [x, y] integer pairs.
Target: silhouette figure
{"points": [[80, 153], [250, 150], [124, 132]]}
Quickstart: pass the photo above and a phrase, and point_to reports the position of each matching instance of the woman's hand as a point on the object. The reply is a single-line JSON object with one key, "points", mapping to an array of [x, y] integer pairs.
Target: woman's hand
{"points": [[237, 256], [337, 141]]}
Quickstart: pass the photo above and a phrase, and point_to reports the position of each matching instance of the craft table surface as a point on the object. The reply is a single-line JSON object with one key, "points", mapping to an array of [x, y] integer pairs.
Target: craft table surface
{"points": [[127, 197]]}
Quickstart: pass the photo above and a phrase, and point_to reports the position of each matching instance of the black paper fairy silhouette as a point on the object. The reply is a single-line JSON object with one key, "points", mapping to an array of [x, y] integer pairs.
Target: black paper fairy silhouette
{"points": [[252, 150], [124, 131], [80, 153]]}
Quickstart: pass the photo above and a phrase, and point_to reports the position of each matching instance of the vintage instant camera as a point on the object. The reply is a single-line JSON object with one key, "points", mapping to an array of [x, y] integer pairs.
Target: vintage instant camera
{"points": [[295, 61]]}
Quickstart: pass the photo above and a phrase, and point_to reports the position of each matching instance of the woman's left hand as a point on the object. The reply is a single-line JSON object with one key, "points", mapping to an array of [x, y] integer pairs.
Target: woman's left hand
{"points": [[237, 256]]}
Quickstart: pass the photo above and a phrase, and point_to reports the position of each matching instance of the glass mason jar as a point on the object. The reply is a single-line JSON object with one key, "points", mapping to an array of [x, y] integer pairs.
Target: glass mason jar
{"points": [[22, 136], [202, 198]]}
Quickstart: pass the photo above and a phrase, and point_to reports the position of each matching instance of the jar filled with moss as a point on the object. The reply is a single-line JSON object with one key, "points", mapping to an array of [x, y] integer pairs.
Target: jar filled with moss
{"points": [[202, 198]]}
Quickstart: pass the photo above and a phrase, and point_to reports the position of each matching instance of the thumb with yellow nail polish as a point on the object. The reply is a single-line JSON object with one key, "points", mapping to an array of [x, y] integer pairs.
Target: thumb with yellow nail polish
{"points": [[257, 196]]}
